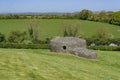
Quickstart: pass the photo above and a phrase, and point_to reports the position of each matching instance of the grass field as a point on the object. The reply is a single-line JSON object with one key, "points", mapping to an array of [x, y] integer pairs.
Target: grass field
{"points": [[54, 27], [22, 64]]}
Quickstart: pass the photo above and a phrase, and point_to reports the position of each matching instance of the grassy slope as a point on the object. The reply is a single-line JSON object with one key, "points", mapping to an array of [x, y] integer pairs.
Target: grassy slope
{"points": [[54, 27], [43, 65]]}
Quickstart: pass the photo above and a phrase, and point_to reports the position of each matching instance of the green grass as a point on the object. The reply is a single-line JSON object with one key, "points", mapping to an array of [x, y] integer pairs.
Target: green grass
{"points": [[22, 64], [54, 27]]}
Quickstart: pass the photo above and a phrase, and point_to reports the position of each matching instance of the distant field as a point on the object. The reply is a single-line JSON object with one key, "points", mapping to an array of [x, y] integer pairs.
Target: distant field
{"points": [[54, 27], [22, 64]]}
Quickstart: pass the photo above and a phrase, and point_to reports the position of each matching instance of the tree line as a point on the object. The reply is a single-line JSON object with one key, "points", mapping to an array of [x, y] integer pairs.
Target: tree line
{"points": [[102, 16]]}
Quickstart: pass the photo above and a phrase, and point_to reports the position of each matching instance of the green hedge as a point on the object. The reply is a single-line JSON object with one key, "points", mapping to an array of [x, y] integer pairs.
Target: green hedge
{"points": [[105, 48], [24, 46], [47, 46]]}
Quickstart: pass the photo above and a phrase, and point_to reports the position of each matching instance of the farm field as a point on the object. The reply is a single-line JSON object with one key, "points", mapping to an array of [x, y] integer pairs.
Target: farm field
{"points": [[54, 27], [31, 64]]}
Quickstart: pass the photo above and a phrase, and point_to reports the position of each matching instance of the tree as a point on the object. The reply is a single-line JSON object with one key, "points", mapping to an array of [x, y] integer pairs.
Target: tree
{"points": [[33, 31], [116, 18], [2, 37], [85, 14]]}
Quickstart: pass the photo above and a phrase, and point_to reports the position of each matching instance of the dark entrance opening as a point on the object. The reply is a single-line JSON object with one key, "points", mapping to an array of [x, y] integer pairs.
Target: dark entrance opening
{"points": [[64, 47]]}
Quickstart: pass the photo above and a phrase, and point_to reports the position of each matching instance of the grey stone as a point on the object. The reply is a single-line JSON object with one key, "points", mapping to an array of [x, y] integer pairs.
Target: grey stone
{"points": [[93, 44], [82, 52], [66, 44], [113, 44], [72, 45]]}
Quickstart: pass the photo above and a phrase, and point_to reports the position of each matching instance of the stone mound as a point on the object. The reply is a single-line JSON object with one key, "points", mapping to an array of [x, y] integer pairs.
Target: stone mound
{"points": [[82, 52], [66, 44], [72, 45]]}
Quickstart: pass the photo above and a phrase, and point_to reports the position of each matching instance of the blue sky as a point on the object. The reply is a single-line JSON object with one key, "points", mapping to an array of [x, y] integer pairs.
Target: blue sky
{"points": [[57, 5]]}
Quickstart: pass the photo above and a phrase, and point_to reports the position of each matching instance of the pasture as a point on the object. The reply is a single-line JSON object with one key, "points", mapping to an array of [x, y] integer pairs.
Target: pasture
{"points": [[23, 64], [54, 27]]}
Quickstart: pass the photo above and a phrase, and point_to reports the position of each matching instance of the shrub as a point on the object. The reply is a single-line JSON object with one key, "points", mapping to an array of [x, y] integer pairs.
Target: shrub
{"points": [[100, 37], [102, 41], [2, 37], [105, 48], [33, 31], [70, 30], [17, 37], [115, 41], [24, 46], [47, 41]]}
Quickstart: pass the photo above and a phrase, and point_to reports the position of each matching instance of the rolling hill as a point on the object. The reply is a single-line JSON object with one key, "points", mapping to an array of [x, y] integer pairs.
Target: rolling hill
{"points": [[54, 27]]}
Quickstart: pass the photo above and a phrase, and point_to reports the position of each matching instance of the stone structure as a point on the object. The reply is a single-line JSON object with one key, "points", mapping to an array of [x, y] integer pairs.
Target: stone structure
{"points": [[71, 45], [66, 44], [82, 52]]}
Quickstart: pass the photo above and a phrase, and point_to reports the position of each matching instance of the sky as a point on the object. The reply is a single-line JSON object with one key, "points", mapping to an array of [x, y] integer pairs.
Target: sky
{"points": [[10, 6]]}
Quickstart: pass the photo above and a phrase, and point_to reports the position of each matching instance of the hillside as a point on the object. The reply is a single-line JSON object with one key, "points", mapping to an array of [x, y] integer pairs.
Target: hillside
{"points": [[30, 64], [55, 27]]}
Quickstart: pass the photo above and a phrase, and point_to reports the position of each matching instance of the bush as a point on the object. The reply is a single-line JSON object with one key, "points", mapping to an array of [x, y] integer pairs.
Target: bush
{"points": [[70, 30], [24, 46], [2, 37], [115, 41], [17, 37], [116, 18], [99, 42], [105, 48], [100, 37], [33, 31]]}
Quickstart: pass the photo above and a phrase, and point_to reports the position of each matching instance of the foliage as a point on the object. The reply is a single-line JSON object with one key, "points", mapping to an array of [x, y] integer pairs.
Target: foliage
{"points": [[114, 40], [47, 41], [105, 48], [70, 30], [24, 46], [102, 33], [101, 16], [39, 16], [33, 31], [2, 37], [116, 14], [85, 14], [17, 37], [116, 18], [99, 42], [100, 37]]}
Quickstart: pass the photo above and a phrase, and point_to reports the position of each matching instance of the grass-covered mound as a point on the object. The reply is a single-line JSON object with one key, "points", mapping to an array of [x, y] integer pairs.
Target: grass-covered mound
{"points": [[22, 64], [55, 27]]}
